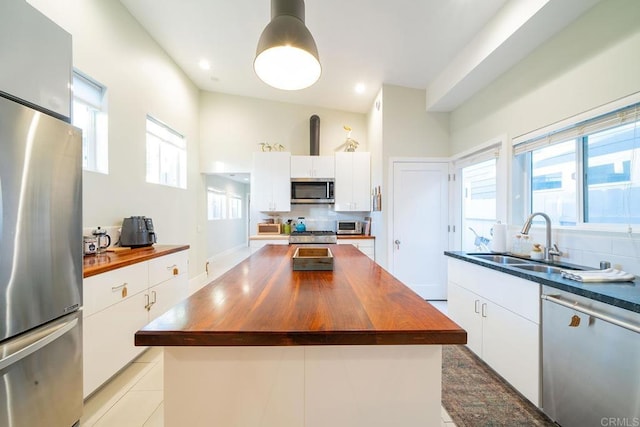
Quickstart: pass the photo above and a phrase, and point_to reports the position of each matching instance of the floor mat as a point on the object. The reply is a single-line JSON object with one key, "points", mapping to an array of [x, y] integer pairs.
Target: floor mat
{"points": [[475, 396]]}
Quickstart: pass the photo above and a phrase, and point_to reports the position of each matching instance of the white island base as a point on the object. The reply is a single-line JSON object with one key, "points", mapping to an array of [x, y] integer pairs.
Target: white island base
{"points": [[296, 386]]}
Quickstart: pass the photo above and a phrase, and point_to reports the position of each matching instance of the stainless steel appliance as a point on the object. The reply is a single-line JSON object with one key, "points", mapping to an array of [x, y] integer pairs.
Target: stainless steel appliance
{"points": [[348, 227], [40, 269], [137, 231], [325, 237], [590, 361], [312, 190]]}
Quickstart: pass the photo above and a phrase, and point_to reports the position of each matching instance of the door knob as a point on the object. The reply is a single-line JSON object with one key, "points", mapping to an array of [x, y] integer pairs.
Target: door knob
{"points": [[397, 242]]}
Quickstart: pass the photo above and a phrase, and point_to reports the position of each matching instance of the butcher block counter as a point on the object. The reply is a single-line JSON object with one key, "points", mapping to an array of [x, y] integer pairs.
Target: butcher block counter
{"points": [[108, 261], [264, 345]]}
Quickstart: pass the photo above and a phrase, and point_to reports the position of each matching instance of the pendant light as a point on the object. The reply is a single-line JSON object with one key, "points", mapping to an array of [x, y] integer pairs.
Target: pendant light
{"points": [[287, 56]]}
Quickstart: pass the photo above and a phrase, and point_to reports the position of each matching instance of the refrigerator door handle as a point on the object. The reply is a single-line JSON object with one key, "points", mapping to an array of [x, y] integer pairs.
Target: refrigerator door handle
{"points": [[35, 346]]}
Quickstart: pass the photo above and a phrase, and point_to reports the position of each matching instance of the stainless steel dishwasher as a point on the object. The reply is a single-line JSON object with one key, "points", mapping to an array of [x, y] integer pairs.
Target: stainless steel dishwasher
{"points": [[590, 361]]}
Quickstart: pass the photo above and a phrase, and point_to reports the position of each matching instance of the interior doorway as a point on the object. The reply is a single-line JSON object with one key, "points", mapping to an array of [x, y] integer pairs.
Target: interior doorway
{"points": [[419, 226]]}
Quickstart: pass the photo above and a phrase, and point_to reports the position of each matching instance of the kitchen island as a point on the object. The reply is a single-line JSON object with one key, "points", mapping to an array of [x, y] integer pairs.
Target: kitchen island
{"points": [[264, 345]]}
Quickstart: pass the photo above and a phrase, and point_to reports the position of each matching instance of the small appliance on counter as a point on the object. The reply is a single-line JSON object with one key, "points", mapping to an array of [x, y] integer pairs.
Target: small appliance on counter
{"points": [[348, 227], [103, 240], [137, 231]]}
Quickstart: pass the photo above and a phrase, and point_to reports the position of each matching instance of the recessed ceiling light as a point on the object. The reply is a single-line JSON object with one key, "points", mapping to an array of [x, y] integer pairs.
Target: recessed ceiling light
{"points": [[204, 64], [360, 88]]}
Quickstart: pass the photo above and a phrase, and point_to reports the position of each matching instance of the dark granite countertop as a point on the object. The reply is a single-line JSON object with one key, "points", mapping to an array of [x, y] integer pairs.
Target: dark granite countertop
{"points": [[619, 294]]}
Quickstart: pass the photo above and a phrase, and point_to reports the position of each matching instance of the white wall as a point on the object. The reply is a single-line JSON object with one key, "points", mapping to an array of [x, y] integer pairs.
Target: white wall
{"points": [[408, 130], [231, 127], [592, 62], [375, 136], [110, 46]]}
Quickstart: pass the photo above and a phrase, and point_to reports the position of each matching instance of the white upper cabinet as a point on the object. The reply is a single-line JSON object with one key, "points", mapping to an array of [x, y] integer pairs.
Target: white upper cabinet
{"points": [[271, 181], [312, 167], [36, 58], [353, 182]]}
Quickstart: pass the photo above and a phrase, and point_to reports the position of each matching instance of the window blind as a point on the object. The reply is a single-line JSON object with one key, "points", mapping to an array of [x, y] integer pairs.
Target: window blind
{"points": [[87, 90], [629, 114], [491, 151]]}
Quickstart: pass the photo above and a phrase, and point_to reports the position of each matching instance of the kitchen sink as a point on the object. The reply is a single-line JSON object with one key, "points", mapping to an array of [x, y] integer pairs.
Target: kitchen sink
{"points": [[500, 259], [539, 268]]}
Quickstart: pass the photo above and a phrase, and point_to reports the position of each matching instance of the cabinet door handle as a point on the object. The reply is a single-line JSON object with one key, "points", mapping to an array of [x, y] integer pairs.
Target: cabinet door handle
{"points": [[154, 297], [484, 310], [476, 307], [116, 288], [147, 306]]}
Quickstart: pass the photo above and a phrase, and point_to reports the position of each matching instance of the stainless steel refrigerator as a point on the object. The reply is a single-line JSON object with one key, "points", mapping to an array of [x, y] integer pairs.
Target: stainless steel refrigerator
{"points": [[40, 269]]}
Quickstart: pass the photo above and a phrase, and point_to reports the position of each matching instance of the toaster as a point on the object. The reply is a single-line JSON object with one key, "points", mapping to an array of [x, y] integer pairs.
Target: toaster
{"points": [[137, 231]]}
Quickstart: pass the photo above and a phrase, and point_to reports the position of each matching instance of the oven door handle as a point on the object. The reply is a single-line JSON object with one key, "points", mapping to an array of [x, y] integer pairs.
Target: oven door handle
{"points": [[29, 349], [602, 316]]}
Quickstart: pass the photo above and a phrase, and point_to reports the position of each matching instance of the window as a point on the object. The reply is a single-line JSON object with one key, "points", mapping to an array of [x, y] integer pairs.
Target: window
{"points": [[553, 182], [587, 173], [480, 194], [612, 192], [235, 207], [478, 204], [216, 204], [166, 155], [90, 115], [221, 205]]}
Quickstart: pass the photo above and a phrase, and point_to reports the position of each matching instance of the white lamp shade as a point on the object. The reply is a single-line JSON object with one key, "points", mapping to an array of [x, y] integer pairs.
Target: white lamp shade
{"points": [[287, 67], [287, 56]]}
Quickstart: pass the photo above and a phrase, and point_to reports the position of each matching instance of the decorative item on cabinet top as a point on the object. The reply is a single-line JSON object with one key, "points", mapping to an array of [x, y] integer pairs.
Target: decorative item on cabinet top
{"points": [[350, 144], [265, 146]]}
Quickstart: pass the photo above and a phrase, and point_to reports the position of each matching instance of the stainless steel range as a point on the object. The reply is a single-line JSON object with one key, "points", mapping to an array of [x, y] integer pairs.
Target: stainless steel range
{"points": [[322, 237]]}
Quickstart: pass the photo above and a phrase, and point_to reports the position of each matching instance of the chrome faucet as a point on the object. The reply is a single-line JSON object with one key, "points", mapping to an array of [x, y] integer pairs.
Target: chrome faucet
{"points": [[549, 252]]}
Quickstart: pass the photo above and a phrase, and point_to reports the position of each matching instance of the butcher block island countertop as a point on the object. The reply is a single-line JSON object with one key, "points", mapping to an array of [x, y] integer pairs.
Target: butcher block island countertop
{"points": [[267, 346], [263, 302]]}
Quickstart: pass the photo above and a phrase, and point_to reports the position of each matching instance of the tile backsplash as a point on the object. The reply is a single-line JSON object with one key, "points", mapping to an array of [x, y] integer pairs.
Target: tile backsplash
{"points": [[317, 217], [588, 248]]}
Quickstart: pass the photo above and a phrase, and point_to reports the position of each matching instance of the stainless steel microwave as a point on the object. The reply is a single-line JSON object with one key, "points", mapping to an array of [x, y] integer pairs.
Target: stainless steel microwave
{"points": [[348, 227], [311, 190]]}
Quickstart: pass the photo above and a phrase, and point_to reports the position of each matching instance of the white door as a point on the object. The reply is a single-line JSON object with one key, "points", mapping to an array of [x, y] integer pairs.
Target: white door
{"points": [[420, 218]]}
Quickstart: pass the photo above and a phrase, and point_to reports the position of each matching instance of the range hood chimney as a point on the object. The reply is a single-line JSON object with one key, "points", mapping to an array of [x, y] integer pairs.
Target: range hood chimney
{"points": [[314, 135]]}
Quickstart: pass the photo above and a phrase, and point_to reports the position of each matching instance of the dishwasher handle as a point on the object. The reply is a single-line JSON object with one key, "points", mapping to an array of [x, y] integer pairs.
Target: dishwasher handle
{"points": [[602, 316]]}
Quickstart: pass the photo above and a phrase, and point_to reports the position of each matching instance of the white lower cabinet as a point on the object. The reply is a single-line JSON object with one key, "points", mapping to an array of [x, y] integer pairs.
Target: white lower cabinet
{"points": [[120, 302], [108, 340], [257, 244], [168, 282], [501, 314], [366, 246]]}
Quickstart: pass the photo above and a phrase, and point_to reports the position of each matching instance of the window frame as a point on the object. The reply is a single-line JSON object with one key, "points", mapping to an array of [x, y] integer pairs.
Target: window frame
{"points": [[166, 139], [579, 128], [92, 95], [498, 148]]}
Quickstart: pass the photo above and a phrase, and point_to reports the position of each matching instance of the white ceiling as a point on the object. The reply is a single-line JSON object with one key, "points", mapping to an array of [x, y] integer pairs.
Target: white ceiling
{"points": [[451, 48]]}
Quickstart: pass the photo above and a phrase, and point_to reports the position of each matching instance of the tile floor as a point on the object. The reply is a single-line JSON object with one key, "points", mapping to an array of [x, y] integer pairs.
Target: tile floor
{"points": [[133, 398]]}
